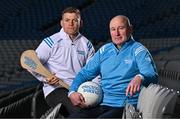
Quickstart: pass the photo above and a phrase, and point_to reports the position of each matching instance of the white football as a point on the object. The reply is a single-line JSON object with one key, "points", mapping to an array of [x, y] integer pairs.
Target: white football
{"points": [[92, 93]]}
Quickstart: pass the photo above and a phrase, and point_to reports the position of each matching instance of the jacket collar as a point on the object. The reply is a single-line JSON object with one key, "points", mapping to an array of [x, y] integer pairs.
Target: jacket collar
{"points": [[125, 45]]}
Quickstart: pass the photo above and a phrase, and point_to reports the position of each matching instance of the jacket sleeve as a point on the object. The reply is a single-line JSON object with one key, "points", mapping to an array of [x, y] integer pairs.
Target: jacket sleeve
{"points": [[87, 73], [91, 52], [146, 65]]}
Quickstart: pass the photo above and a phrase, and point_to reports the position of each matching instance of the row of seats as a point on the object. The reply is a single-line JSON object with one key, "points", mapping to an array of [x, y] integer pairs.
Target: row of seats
{"points": [[18, 109], [169, 73], [158, 45], [16, 96], [168, 54], [11, 73], [155, 101], [151, 25], [24, 103], [170, 65], [34, 17]]}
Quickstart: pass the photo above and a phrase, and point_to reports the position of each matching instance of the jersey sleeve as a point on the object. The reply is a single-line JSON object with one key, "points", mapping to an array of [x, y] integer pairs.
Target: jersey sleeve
{"points": [[43, 52], [91, 51], [44, 49]]}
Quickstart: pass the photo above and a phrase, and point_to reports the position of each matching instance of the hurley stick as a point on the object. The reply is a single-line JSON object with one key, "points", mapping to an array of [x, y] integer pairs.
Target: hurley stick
{"points": [[30, 61]]}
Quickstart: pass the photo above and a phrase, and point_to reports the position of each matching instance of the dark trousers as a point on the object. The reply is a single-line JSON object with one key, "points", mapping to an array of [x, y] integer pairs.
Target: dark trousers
{"points": [[60, 95], [99, 112]]}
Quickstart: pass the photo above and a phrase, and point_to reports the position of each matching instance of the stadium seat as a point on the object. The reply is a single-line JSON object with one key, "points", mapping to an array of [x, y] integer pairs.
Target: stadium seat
{"points": [[148, 100], [18, 109], [53, 113], [4, 94], [168, 97], [16, 96], [141, 99], [39, 105], [160, 64], [130, 112], [156, 101], [170, 83], [173, 66]]}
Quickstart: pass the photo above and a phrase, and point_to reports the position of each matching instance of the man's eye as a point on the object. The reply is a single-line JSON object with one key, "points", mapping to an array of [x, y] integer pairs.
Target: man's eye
{"points": [[66, 20], [75, 20], [122, 27], [113, 29]]}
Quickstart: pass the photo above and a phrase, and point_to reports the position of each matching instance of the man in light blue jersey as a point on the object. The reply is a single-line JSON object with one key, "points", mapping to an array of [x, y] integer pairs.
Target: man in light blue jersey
{"points": [[124, 65], [64, 54]]}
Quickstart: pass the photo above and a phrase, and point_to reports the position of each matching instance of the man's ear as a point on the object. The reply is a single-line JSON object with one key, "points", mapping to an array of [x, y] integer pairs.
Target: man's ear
{"points": [[81, 23], [61, 24], [131, 29]]}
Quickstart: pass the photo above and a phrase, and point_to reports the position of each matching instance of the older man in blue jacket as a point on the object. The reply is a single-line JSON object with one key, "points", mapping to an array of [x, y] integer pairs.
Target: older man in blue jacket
{"points": [[125, 66]]}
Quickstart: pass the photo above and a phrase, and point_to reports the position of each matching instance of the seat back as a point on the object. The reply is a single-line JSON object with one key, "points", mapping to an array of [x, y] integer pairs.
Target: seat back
{"points": [[53, 113], [130, 112], [39, 105], [18, 109]]}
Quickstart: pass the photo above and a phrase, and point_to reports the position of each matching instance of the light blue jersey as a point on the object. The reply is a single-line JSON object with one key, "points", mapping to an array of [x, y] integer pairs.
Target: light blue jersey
{"points": [[117, 68]]}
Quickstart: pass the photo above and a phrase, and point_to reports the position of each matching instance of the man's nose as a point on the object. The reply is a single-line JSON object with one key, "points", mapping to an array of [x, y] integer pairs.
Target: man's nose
{"points": [[117, 32], [71, 23]]}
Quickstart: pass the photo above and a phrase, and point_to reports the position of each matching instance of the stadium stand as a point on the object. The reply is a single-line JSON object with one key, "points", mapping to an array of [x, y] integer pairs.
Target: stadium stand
{"points": [[23, 23]]}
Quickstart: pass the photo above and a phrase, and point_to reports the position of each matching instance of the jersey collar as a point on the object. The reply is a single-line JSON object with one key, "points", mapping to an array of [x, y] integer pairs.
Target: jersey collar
{"points": [[66, 37]]}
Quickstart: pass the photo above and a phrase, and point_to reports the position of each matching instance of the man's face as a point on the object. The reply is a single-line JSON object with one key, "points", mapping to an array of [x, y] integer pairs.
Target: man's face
{"points": [[71, 23], [120, 30]]}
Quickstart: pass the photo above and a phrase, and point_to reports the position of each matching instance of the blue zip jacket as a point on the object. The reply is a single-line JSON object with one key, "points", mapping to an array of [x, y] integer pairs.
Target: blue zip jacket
{"points": [[117, 68]]}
